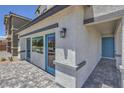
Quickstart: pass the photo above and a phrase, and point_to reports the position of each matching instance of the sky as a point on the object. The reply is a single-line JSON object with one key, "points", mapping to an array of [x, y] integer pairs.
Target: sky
{"points": [[24, 10]]}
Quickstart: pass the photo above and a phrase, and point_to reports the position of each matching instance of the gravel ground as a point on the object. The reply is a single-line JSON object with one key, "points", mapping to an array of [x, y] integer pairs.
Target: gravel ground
{"points": [[4, 54], [24, 75]]}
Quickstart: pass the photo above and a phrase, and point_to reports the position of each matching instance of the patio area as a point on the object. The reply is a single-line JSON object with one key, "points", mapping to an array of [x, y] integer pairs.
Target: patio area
{"points": [[24, 75], [21, 74]]}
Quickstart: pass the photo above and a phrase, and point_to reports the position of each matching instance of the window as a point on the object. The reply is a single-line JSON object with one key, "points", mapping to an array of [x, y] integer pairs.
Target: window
{"points": [[37, 44]]}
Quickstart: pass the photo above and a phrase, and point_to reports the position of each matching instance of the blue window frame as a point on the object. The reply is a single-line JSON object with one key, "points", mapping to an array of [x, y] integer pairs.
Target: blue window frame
{"points": [[50, 53]]}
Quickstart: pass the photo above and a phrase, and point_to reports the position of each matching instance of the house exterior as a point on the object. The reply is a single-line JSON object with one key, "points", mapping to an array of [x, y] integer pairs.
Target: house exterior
{"points": [[69, 41], [12, 23]]}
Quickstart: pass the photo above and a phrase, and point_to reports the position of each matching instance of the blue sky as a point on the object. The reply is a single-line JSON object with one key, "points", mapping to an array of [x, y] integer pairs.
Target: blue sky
{"points": [[24, 10]]}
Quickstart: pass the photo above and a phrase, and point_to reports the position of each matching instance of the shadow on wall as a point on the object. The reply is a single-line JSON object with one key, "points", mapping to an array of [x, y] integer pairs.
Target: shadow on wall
{"points": [[105, 75]]}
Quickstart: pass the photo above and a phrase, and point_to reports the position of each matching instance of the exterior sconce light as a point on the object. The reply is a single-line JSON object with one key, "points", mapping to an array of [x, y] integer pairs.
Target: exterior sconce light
{"points": [[63, 33]]}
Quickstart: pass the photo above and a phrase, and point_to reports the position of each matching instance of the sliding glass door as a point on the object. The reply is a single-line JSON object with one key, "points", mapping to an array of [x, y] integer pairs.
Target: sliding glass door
{"points": [[50, 53]]}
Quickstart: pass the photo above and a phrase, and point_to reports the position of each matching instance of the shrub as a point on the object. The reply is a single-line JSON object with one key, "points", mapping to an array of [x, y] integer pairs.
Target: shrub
{"points": [[3, 59], [10, 59]]}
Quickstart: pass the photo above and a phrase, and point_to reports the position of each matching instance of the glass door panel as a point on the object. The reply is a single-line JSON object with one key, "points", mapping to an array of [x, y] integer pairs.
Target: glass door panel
{"points": [[50, 53]]}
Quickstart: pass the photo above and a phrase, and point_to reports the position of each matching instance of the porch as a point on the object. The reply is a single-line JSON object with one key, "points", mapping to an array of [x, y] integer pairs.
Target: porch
{"points": [[110, 38], [105, 75]]}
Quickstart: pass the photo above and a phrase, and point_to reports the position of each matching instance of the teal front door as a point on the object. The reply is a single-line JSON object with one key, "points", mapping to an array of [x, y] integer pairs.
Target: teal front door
{"points": [[50, 53], [28, 50], [108, 47]]}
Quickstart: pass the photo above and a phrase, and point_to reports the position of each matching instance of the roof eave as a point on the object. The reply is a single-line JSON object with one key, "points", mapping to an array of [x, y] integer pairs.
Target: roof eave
{"points": [[50, 12]]}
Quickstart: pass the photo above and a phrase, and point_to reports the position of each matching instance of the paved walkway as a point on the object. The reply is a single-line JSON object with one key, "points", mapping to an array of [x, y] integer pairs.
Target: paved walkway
{"points": [[23, 75], [105, 75]]}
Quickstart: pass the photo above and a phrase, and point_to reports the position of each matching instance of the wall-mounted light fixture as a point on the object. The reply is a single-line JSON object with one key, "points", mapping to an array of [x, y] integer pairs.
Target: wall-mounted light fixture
{"points": [[63, 33]]}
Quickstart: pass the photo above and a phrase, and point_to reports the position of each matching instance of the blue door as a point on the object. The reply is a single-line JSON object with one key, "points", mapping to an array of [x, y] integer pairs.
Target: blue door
{"points": [[108, 47], [28, 55], [50, 53]]}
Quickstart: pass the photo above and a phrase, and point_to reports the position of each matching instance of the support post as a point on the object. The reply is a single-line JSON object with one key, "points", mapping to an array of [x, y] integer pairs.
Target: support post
{"points": [[122, 61]]}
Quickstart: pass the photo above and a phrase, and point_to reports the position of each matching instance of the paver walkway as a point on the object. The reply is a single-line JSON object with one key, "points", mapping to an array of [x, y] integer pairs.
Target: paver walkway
{"points": [[105, 75], [23, 75]]}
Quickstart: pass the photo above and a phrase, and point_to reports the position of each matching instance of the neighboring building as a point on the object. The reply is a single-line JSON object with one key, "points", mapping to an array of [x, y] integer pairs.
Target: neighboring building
{"points": [[12, 23], [2, 44], [69, 41]]}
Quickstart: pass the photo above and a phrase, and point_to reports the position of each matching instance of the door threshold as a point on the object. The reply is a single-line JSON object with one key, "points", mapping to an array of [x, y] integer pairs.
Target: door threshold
{"points": [[108, 58]]}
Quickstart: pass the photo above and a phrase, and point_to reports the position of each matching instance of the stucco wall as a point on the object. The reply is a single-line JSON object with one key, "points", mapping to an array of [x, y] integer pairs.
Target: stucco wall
{"points": [[99, 10], [106, 9], [79, 44], [89, 50], [86, 47], [66, 47]]}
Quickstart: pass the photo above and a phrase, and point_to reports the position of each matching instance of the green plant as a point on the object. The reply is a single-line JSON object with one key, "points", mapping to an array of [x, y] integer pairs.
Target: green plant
{"points": [[10, 59], [3, 59]]}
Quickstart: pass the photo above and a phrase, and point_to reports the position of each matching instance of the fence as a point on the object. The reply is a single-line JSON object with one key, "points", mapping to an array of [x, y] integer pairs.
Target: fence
{"points": [[2, 45]]}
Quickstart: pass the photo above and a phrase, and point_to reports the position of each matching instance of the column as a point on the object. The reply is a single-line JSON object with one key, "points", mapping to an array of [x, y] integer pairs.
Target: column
{"points": [[122, 62]]}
